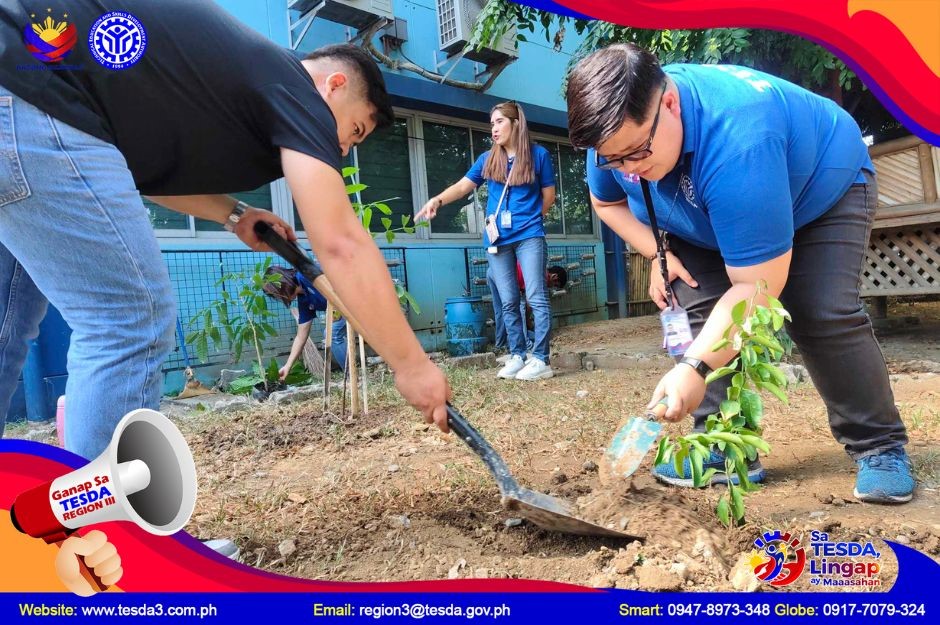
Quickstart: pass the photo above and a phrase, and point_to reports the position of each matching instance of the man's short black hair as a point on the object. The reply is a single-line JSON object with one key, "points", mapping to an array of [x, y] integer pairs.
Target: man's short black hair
{"points": [[365, 66], [609, 87]]}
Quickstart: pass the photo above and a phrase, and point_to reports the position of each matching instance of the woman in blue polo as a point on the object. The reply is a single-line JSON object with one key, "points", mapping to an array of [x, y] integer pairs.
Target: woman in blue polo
{"points": [[515, 212]]}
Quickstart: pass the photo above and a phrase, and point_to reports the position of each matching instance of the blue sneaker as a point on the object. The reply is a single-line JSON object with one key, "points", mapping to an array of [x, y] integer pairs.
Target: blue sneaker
{"points": [[885, 477], [666, 472]]}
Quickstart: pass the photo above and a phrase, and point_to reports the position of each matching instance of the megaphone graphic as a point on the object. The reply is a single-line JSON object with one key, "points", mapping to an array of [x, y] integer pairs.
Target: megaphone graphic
{"points": [[146, 476]]}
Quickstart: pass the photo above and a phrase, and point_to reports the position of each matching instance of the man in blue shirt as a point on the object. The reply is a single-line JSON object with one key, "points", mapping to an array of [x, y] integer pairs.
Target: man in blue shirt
{"points": [[753, 179]]}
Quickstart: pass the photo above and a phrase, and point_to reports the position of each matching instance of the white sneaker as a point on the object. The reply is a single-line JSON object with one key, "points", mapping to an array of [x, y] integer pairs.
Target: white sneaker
{"points": [[511, 368], [535, 369], [224, 547]]}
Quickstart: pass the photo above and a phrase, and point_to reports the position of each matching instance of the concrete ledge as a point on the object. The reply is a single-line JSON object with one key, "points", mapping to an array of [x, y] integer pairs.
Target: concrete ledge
{"points": [[486, 360]]}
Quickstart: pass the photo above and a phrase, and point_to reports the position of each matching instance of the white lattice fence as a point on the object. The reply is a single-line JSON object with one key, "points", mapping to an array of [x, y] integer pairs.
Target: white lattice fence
{"points": [[903, 261]]}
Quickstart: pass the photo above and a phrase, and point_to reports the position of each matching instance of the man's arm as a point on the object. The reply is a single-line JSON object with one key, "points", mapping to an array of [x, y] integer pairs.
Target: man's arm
{"points": [[618, 218], [353, 263], [684, 387], [217, 208], [743, 286]]}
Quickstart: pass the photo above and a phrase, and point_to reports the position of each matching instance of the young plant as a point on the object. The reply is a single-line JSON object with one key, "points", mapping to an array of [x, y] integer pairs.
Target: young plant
{"points": [[365, 213], [735, 430], [243, 316]]}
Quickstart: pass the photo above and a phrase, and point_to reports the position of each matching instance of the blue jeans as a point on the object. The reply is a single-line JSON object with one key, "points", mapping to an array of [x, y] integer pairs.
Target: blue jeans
{"points": [[499, 328], [73, 231], [531, 256], [338, 344]]}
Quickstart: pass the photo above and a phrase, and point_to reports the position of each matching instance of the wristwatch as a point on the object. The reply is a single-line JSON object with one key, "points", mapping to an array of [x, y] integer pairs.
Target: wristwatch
{"points": [[235, 216], [700, 366]]}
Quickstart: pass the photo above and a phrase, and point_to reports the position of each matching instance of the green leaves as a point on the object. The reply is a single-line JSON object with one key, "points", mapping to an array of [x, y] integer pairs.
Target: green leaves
{"points": [[735, 429]]}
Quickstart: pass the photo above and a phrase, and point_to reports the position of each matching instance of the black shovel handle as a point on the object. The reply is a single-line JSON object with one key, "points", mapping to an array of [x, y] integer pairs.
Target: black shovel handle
{"points": [[479, 446], [288, 250], [296, 256]]}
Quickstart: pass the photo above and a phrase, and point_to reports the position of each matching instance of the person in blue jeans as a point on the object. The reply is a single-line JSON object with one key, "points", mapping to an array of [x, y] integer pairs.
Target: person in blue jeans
{"points": [[521, 184], [501, 341], [555, 278], [295, 286], [753, 179], [189, 122]]}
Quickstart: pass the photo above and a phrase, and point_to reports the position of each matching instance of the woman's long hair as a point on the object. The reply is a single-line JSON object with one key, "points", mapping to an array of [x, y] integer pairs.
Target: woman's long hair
{"points": [[283, 289], [498, 161]]}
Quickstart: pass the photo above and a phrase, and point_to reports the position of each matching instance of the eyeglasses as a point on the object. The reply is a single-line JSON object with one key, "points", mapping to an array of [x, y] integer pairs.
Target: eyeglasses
{"points": [[637, 155]]}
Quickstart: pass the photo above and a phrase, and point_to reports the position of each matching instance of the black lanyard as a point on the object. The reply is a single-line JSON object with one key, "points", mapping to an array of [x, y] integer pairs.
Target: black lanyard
{"points": [[660, 250]]}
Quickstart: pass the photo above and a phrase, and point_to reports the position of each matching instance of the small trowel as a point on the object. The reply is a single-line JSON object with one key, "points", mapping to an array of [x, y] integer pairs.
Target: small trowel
{"points": [[634, 438]]}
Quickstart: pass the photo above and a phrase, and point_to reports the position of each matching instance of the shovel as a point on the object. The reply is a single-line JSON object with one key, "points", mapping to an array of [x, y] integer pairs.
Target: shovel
{"points": [[634, 438], [544, 510]]}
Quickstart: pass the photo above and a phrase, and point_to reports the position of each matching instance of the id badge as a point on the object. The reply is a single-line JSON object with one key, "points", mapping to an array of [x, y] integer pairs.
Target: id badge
{"points": [[505, 219], [677, 332], [492, 232]]}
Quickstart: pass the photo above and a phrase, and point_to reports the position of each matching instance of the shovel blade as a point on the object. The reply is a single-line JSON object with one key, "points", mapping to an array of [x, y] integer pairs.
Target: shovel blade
{"points": [[555, 514], [630, 445]]}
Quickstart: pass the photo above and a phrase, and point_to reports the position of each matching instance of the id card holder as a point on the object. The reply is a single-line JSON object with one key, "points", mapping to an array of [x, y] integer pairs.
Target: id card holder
{"points": [[505, 219], [677, 332], [492, 232]]}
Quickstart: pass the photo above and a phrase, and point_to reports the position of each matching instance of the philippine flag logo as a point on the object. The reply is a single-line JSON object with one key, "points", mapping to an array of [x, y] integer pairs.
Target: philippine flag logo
{"points": [[49, 40]]}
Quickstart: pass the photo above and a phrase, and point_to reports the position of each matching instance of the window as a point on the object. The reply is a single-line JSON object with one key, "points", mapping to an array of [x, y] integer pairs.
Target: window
{"points": [[447, 157], [482, 141], [385, 168], [572, 191], [554, 222], [173, 223], [571, 214]]}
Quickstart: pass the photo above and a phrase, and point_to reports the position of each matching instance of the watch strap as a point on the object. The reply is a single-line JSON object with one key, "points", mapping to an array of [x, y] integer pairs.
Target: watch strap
{"points": [[700, 366], [235, 216]]}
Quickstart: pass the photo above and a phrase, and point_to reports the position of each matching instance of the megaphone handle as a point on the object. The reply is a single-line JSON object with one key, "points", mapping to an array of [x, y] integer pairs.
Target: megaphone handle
{"points": [[86, 572]]}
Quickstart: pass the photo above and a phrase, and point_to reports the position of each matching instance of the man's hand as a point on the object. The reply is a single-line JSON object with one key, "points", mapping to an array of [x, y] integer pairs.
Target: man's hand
{"points": [[101, 558], [685, 389], [429, 210], [424, 386], [245, 229], [282, 373], [657, 291]]}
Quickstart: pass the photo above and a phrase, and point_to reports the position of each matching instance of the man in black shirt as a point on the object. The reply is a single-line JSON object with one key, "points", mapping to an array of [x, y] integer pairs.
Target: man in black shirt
{"points": [[103, 100]]}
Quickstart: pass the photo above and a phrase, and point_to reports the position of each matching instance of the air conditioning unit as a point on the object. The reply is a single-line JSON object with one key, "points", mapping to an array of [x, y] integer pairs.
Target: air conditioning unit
{"points": [[455, 20], [359, 14]]}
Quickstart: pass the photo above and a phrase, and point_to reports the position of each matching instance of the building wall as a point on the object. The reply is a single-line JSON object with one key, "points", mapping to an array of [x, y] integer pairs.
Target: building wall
{"points": [[441, 129]]}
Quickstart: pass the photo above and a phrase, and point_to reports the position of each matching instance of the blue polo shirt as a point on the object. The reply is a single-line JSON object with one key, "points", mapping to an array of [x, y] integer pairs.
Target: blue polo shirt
{"points": [[761, 158], [523, 201], [308, 302]]}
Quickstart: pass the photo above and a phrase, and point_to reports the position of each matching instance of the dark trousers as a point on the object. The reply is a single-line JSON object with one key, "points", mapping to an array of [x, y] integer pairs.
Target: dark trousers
{"points": [[830, 325]]}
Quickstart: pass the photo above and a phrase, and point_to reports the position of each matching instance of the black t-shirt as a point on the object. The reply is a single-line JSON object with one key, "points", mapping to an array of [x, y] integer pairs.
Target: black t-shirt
{"points": [[204, 110]]}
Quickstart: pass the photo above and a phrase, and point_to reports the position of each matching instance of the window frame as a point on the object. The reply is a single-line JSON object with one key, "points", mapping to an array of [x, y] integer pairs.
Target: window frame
{"points": [[282, 203]]}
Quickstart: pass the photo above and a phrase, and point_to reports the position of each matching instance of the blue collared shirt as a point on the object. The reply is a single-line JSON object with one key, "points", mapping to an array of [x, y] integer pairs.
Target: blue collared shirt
{"points": [[761, 157], [524, 202]]}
